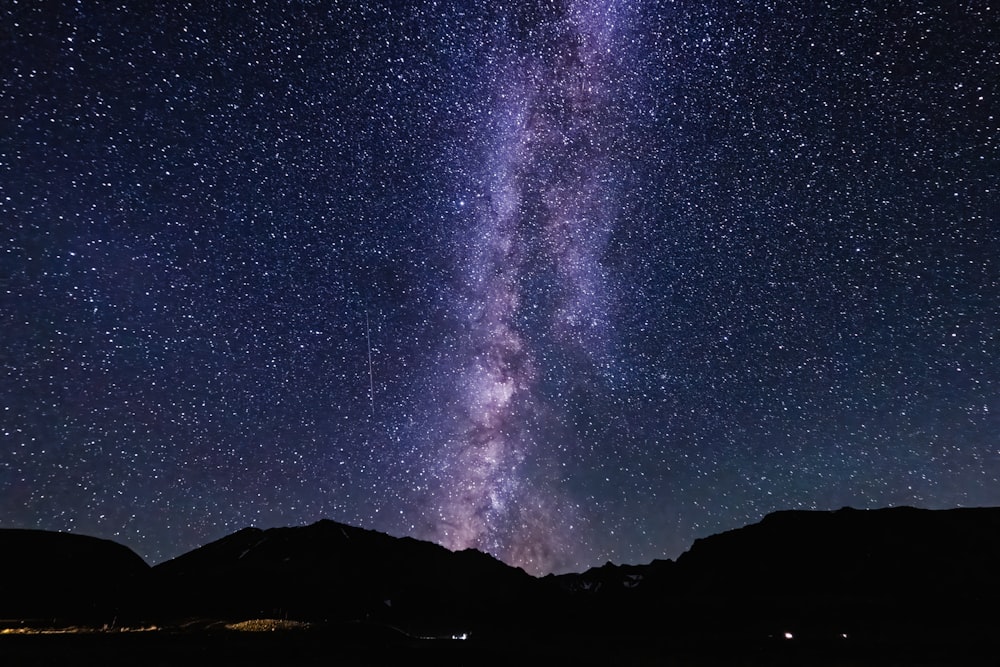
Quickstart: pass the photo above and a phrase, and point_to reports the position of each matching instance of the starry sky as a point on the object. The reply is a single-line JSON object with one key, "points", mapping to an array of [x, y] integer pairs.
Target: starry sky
{"points": [[567, 281]]}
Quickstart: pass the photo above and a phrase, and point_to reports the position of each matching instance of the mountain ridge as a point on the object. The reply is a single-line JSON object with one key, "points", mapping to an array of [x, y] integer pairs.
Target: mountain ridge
{"points": [[891, 571]]}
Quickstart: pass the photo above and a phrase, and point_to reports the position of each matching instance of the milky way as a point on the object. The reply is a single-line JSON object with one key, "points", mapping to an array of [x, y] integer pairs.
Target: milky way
{"points": [[567, 282], [543, 220]]}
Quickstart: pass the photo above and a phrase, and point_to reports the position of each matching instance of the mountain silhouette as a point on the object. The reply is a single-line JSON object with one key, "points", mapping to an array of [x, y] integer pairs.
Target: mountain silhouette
{"points": [[48, 575], [331, 571], [891, 572], [899, 574]]}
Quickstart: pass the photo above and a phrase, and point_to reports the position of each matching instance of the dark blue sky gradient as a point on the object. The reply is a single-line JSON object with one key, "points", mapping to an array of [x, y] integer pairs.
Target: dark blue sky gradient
{"points": [[627, 273]]}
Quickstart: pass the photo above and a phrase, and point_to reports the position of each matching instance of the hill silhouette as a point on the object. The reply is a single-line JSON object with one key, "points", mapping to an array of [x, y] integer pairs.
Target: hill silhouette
{"points": [[902, 576], [50, 575], [331, 571], [889, 573]]}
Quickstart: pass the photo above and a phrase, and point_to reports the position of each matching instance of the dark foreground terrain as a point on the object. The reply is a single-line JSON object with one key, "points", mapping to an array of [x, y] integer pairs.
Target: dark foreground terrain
{"points": [[374, 646], [897, 586]]}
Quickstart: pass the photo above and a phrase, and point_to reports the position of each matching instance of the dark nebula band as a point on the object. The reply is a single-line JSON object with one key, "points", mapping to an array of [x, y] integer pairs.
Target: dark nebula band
{"points": [[544, 220]]}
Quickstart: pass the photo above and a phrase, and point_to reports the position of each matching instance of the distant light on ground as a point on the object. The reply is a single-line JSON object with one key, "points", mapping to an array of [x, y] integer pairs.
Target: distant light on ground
{"points": [[265, 625]]}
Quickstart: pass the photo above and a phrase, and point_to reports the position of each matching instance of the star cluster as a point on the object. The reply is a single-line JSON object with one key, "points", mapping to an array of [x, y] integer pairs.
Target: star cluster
{"points": [[567, 281]]}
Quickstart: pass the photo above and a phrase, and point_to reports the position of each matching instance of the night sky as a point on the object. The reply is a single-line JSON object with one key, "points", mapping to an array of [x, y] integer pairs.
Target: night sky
{"points": [[565, 281]]}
